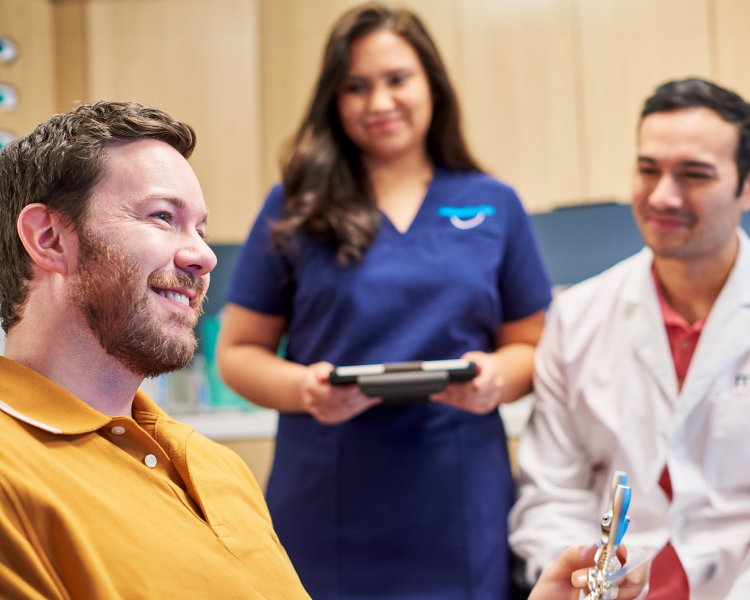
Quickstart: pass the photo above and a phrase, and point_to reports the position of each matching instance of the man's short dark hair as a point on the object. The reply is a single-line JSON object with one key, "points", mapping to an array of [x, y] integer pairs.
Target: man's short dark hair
{"points": [[59, 164], [694, 92]]}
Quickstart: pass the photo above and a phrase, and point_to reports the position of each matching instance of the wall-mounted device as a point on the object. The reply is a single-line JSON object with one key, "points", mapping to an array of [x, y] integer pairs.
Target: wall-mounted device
{"points": [[8, 97], [8, 50], [5, 137]]}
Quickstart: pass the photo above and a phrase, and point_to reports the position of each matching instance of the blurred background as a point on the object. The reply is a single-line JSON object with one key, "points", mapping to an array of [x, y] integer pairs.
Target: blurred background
{"points": [[550, 92]]}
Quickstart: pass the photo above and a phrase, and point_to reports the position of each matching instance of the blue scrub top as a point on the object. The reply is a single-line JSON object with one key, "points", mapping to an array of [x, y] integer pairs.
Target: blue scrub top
{"points": [[400, 502], [468, 263]]}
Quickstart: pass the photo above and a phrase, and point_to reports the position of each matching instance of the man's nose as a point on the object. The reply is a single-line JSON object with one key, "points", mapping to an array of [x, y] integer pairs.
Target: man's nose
{"points": [[196, 256], [666, 195]]}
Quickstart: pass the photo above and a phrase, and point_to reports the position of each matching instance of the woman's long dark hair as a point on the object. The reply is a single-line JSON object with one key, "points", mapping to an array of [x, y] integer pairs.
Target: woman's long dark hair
{"points": [[328, 191]]}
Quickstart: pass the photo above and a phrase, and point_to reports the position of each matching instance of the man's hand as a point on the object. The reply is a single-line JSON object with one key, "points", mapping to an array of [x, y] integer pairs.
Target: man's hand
{"points": [[331, 404], [480, 395], [564, 578]]}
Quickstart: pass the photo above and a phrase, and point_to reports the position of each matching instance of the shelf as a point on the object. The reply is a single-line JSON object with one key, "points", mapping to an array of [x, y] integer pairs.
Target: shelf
{"points": [[223, 426]]}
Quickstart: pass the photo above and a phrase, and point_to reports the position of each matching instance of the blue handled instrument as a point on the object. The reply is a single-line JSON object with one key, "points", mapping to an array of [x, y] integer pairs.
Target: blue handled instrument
{"points": [[614, 525]]}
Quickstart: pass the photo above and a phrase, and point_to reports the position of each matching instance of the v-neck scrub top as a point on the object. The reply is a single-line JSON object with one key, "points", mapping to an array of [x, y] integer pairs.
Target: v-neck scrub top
{"points": [[399, 502]]}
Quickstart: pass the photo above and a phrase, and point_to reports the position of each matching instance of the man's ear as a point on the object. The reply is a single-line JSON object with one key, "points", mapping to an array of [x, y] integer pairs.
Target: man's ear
{"points": [[50, 243]]}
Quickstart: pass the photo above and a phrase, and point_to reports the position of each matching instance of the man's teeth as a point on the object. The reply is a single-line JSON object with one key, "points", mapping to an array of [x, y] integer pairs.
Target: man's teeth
{"points": [[177, 297]]}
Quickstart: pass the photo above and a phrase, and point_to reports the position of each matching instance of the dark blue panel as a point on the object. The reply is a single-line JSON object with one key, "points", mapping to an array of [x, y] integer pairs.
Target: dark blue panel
{"points": [[226, 255], [578, 242]]}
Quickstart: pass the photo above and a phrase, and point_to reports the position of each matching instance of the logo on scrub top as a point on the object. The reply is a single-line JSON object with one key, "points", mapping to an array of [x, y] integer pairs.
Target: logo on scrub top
{"points": [[466, 217]]}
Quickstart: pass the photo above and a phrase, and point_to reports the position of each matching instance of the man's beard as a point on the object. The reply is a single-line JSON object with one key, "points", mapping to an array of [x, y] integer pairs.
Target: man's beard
{"points": [[116, 309]]}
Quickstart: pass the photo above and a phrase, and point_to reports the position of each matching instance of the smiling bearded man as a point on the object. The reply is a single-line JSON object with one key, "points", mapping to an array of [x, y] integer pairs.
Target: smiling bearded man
{"points": [[103, 270], [116, 309]]}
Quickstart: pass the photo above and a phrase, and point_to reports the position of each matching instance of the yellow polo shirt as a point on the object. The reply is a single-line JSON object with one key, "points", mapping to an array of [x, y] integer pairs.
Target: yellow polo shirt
{"points": [[96, 507]]}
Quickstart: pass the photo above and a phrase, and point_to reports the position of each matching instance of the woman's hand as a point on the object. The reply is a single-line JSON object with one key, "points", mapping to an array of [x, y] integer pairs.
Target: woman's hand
{"points": [[482, 394], [505, 374], [564, 578], [331, 404]]}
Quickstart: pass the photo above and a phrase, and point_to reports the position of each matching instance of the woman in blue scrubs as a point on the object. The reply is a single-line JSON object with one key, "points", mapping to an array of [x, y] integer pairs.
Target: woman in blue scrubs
{"points": [[384, 243]]}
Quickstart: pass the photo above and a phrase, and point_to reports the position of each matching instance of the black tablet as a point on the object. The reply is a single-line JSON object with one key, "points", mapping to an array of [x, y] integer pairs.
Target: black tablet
{"points": [[404, 382]]}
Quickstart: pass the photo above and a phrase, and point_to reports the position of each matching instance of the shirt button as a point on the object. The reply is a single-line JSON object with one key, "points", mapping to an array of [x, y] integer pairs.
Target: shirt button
{"points": [[118, 430], [150, 461], [685, 345]]}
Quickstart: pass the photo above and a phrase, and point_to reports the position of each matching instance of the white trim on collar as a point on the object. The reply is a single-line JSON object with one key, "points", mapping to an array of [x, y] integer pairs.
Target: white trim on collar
{"points": [[22, 417]]}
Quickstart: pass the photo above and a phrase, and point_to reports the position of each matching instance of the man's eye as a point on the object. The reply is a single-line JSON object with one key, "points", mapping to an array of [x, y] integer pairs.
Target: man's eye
{"points": [[697, 175], [163, 216], [650, 171]]}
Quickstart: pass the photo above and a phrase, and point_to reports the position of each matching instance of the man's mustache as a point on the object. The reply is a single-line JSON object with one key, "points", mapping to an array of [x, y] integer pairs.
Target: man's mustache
{"points": [[674, 213]]}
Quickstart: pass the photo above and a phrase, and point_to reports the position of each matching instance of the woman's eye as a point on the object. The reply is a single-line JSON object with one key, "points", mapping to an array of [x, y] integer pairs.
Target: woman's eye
{"points": [[354, 88], [398, 79]]}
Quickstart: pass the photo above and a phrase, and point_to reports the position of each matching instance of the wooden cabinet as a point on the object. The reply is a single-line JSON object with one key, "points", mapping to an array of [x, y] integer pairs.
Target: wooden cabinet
{"points": [[196, 59], [550, 89], [627, 50], [30, 24]]}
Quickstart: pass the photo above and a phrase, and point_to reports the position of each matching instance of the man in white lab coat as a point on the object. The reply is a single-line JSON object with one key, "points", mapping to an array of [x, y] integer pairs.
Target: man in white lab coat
{"points": [[646, 367]]}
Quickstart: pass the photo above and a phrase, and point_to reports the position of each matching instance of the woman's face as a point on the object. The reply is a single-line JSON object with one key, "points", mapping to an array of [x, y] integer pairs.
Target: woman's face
{"points": [[384, 103]]}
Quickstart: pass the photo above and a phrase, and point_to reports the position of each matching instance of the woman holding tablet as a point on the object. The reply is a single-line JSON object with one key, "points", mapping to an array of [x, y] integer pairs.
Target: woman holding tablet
{"points": [[387, 243]]}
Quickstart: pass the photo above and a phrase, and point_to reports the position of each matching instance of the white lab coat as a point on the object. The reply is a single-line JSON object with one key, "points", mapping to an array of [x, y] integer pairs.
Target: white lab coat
{"points": [[608, 399]]}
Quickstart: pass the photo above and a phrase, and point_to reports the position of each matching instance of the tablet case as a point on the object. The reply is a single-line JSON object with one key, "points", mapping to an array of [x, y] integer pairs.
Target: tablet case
{"points": [[407, 382]]}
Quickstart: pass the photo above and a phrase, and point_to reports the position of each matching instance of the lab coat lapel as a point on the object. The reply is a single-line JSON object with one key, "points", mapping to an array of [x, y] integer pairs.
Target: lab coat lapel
{"points": [[645, 325], [726, 334]]}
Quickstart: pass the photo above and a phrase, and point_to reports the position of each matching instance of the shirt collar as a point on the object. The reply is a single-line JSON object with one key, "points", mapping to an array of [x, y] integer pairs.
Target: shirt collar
{"points": [[32, 398], [671, 317]]}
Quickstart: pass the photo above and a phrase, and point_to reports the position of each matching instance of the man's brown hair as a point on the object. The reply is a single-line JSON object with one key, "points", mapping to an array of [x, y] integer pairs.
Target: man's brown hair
{"points": [[59, 164]]}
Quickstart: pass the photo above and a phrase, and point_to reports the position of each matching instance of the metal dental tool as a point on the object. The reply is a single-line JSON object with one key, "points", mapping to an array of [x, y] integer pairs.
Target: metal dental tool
{"points": [[602, 578]]}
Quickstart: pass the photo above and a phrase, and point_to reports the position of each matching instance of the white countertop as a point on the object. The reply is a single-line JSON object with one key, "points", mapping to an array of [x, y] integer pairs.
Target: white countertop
{"points": [[262, 424], [220, 426], [516, 415]]}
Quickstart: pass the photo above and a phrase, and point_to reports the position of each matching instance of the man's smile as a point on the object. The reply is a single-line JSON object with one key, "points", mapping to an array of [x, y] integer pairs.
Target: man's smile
{"points": [[184, 289], [664, 221], [181, 296]]}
